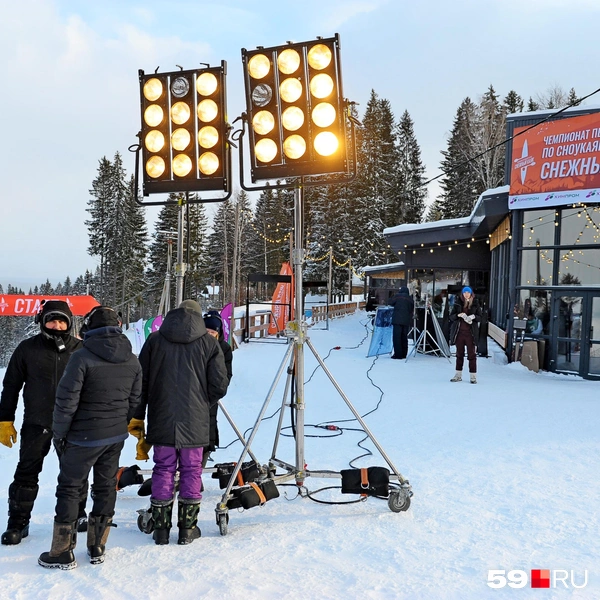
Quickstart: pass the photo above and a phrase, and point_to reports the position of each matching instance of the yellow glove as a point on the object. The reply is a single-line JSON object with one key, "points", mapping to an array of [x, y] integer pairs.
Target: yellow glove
{"points": [[136, 428], [8, 433], [141, 449]]}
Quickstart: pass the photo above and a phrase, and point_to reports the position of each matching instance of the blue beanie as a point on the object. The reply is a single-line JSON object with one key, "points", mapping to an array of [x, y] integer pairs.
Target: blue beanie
{"points": [[467, 289]]}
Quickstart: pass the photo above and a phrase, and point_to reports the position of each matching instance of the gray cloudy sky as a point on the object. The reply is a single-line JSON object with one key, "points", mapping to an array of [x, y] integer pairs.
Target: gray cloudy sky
{"points": [[70, 89]]}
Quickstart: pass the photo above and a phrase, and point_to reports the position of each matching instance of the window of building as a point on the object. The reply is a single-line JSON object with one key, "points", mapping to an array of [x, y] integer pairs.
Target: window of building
{"points": [[539, 227]]}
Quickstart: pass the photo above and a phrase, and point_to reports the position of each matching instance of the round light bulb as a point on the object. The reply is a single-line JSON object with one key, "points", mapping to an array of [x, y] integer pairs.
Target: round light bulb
{"points": [[259, 66], [208, 163], [265, 150], [208, 137], [207, 111], [290, 89], [326, 143], [323, 114], [288, 61], [321, 85], [182, 165], [153, 89], [262, 94], [153, 115], [180, 139], [294, 146], [263, 122], [319, 56], [180, 113], [292, 118], [155, 166], [206, 84], [154, 141]]}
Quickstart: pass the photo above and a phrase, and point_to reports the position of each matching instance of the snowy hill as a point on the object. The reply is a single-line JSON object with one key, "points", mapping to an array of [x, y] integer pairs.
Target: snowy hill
{"points": [[504, 475]]}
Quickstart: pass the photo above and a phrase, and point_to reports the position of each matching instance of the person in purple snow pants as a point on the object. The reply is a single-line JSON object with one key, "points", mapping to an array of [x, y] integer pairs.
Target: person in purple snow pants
{"points": [[184, 374]]}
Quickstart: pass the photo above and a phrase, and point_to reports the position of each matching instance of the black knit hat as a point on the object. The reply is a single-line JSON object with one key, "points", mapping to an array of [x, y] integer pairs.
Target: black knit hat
{"points": [[55, 310], [213, 321], [101, 316]]}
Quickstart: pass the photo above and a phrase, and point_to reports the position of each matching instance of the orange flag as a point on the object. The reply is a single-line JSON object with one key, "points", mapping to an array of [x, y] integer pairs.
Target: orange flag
{"points": [[283, 299]]}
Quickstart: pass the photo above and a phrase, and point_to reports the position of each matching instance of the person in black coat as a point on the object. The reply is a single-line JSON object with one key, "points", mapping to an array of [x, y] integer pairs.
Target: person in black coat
{"points": [[184, 374], [214, 326], [38, 364], [464, 332], [402, 320], [95, 400]]}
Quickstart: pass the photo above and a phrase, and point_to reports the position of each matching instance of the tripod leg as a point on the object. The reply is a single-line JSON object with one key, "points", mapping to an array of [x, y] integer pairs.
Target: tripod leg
{"points": [[238, 466], [283, 403], [237, 431], [355, 413]]}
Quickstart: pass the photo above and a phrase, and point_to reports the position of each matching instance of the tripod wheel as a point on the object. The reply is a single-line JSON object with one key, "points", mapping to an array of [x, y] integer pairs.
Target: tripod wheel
{"points": [[223, 523], [398, 501]]}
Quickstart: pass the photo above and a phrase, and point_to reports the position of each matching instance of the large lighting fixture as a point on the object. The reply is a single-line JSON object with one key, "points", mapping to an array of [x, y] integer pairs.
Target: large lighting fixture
{"points": [[295, 109], [184, 131]]}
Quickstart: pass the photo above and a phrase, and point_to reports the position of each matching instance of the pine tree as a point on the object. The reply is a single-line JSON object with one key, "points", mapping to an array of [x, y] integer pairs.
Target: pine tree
{"points": [[572, 99], [513, 103], [459, 183], [411, 176], [196, 249], [532, 105]]}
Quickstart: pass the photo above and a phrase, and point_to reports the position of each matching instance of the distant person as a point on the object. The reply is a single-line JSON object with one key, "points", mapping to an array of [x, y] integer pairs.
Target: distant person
{"points": [[37, 364], [184, 374], [214, 327], [95, 400], [464, 332], [402, 320]]}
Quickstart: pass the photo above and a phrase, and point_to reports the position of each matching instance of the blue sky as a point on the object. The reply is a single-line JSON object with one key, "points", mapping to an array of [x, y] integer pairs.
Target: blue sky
{"points": [[71, 96]]}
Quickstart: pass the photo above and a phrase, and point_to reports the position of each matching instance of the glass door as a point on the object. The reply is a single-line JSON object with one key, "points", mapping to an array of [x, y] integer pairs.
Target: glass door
{"points": [[593, 369], [568, 321]]}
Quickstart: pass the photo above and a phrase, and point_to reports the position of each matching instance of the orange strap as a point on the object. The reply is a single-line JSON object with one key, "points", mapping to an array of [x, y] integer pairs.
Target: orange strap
{"points": [[240, 478], [257, 489], [119, 473], [364, 480]]}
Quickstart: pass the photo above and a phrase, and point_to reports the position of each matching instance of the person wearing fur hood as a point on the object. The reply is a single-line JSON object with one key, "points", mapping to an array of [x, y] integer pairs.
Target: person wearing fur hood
{"points": [[464, 332]]}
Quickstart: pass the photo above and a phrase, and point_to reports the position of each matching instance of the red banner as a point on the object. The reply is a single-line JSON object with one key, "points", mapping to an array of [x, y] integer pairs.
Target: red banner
{"points": [[17, 305], [557, 162], [283, 302]]}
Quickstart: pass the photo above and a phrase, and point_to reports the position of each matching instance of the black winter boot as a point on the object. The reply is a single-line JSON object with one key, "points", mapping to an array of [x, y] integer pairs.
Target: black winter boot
{"points": [[64, 538], [187, 520], [97, 534], [162, 512], [20, 505]]}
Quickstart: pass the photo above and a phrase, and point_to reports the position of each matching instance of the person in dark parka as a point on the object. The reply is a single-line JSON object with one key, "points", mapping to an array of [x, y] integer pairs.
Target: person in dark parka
{"points": [[464, 332], [184, 374], [402, 320], [38, 364], [214, 326], [95, 400]]}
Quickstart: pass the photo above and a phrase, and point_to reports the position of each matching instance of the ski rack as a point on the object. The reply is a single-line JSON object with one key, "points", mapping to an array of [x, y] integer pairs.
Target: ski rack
{"points": [[399, 498]]}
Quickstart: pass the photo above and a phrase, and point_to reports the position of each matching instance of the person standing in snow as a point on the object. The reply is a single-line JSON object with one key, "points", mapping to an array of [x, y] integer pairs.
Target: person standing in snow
{"points": [[38, 364], [464, 332], [401, 321], [214, 327], [184, 374], [95, 400]]}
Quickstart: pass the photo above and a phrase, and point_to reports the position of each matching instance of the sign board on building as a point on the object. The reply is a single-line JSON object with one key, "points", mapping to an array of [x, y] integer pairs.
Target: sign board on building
{"points": [[556, 163]]}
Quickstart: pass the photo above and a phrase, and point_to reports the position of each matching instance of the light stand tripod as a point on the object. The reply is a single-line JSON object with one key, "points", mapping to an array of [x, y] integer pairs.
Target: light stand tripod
{"points": [[399, 498], [420, 345]]}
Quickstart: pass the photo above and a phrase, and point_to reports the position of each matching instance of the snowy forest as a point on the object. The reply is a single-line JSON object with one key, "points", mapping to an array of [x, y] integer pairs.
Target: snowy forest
{"points": [[245, 237]]}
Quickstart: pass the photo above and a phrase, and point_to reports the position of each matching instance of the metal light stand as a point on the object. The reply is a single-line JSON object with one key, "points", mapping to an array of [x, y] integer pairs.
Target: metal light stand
{"points": [[399, 499], [424, 335]]}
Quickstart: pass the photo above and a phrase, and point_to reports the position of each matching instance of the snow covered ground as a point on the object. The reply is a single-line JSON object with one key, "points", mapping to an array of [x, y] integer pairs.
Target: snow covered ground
{"points": [[504, 475]]}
